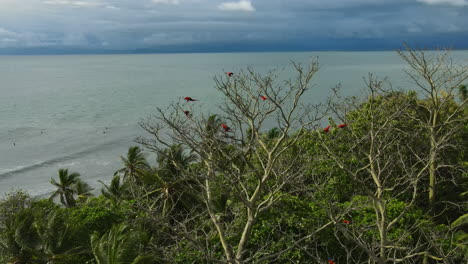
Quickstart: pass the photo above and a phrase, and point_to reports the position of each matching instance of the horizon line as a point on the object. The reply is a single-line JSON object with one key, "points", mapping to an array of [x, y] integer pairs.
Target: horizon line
{"points": [[22, 52]]}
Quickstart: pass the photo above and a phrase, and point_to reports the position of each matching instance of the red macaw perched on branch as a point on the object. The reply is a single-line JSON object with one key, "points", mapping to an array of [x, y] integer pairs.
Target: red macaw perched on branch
{"points": [[187, 114], [229, 74], [330, 261], [263, 97], [327, 129], [226, 128], [189, 99], [346, 222], [342, 125]]}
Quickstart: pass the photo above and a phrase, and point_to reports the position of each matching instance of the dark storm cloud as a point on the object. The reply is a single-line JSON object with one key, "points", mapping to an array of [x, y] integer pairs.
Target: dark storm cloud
{"points": [[297, 24]]}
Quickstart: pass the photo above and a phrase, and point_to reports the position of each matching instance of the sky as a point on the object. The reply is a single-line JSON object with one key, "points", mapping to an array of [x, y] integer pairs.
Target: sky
{"points": [[67, 26]]}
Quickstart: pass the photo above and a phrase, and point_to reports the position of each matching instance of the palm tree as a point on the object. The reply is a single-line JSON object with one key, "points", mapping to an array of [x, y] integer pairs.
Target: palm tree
{"points": [[135, 164], [273, 133], [271, 136], [19, 239], [115, 191], [55, 239], [174, 187], [212, 126], [214, 140], [119, 245], [83, 190], [65, 187], [174, 160]]}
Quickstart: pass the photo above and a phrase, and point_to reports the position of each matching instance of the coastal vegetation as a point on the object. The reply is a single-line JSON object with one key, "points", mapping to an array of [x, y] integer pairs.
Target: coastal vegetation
{"points": [[262, 181]]}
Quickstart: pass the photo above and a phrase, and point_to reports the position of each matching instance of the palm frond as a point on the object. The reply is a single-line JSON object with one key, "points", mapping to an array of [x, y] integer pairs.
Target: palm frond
{"points": [[462, 220]]}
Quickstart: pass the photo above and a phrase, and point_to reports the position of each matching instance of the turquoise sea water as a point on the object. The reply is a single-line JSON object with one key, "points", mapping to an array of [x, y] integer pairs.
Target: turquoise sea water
{"points": [[81, 112]]}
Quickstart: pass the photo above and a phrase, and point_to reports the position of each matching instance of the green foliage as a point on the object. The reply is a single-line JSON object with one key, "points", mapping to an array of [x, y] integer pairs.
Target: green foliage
{"points": [[176, 191], [135, 164], [462, 220], [120, 245], [159, 214], [364, 218], [15, 215], [183, 252], [145, 260], [461, 241], [461, 235], [463, 91], [57, 243], [94, 216], [67, 186], [116, 191], [82, 190], [292, 219], [19, 239], [13, 203], [337, 184]]}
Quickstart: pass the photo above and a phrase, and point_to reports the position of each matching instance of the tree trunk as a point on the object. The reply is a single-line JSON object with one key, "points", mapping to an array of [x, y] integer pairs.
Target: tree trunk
{"points": [[245, 235], [432, 178], [432, 162], [222, 238], [382, 225]]}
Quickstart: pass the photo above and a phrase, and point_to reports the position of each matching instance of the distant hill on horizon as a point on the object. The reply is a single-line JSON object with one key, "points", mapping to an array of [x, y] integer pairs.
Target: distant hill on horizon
{"points": [[338, 45]]}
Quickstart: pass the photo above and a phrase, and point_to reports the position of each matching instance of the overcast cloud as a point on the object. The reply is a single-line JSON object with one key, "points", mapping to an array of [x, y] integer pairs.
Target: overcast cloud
{"points": [[242, 5], [201, 25]]}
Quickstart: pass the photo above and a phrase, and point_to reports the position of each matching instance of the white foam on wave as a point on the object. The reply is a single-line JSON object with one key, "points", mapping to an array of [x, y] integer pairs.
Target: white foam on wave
{"points": [[18, 168], [103, 163], [69, 164]]}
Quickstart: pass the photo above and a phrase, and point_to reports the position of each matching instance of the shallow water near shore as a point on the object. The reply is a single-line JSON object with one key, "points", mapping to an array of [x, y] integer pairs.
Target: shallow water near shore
{"points": [[81, 112]]}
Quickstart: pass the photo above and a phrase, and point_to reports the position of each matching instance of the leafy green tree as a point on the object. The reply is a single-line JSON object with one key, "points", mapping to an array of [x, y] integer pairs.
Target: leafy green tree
{"points": [[384, 155], [297, 230], [82, 221], [438, 80], [376, 153], [12, 204], [236, 157], [292, 194], [94, 216]]}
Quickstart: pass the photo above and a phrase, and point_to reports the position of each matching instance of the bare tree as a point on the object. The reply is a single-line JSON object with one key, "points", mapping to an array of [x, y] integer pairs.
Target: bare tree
{"points": [[238, 160], [438, 77], [378, 156]]}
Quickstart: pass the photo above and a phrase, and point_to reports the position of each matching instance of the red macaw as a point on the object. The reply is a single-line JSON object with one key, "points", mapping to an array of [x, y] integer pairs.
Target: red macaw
{"points": [[188, 99], [187, 114], [346, 222], [263, 97], [330, 261], [229, 74], [342, 125], [226, 128], [327, 129]]}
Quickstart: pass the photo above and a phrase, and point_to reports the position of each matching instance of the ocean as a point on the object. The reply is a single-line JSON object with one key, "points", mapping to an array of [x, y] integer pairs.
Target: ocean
{"points": [[81, 112]]}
